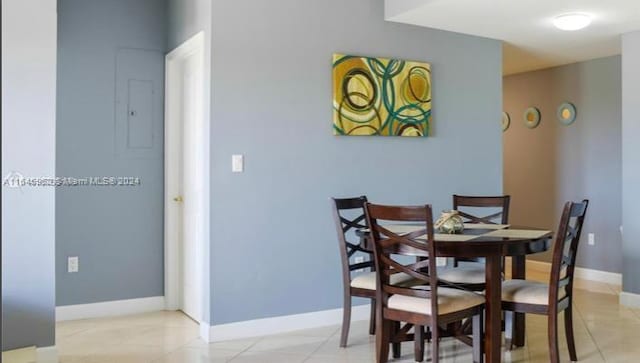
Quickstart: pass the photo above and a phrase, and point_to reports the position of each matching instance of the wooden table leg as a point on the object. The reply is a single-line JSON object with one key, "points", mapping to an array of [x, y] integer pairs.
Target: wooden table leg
{"points": [[518, 271], [493, 295]]}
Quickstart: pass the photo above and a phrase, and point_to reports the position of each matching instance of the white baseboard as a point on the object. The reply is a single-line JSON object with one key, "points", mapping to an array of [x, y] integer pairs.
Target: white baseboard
{"points": [[600, 276], [280, 324], [109, 308], [580, 273], [20, 355], [205, 332], [47, 354], [31, 354], [630, 300]]}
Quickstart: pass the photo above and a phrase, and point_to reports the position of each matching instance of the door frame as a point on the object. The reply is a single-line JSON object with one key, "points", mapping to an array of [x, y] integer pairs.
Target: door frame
{"points": [[172, 253]]}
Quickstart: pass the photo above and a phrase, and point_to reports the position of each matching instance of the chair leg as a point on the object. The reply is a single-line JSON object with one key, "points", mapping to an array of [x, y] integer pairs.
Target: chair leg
{"points": [[478, 333], [509, 317], [554, 354], [372, 319], [568, 327], [395, 346], [435, 344], [418, 343], [346, 321], [382, 340]]}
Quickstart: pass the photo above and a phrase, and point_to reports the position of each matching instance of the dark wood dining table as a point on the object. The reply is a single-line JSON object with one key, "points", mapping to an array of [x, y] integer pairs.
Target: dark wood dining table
{"points": [[492, 249]]}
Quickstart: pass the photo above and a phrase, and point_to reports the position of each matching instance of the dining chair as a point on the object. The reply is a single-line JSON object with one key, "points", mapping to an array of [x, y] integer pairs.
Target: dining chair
{"points": [[524, 296], [426, 304], [349, 216], [471, 275]]}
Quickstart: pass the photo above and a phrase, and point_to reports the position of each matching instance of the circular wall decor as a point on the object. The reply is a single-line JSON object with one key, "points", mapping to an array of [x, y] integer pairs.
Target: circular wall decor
{"points": [[566, 113], [532, 117], [506, 121]]}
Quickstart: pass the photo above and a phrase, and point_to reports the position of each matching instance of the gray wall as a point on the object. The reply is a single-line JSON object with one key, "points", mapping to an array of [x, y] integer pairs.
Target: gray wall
{"points": [[631, 161], [274, 250], [28, 147], [186, 18], [117, 232], [548, 165]]}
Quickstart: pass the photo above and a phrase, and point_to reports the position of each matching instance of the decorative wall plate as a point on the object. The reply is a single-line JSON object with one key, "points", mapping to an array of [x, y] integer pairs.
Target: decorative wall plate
{"points": [[506, 121], [566, 113], [532, 117]]}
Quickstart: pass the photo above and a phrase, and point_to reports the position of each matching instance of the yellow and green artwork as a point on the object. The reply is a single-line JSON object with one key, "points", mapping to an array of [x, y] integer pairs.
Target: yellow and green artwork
{"points": [[378, 96]]}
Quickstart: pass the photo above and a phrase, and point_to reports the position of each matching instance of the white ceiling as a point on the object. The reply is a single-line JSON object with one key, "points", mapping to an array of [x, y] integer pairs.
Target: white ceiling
{"points": [[526, 26]]}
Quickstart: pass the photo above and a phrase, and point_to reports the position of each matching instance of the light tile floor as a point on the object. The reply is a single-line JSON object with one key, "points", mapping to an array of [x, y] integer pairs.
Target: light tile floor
{"points": [[605, 332]]}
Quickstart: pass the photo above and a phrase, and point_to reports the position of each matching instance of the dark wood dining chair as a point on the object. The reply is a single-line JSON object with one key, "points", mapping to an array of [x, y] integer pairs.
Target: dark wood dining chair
{"points": [[348, 214], [426, 304], [472, 274], [523, 296]]}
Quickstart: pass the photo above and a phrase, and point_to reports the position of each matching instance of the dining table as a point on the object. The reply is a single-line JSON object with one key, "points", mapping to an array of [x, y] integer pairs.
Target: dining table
{"points": [[491, 242]]}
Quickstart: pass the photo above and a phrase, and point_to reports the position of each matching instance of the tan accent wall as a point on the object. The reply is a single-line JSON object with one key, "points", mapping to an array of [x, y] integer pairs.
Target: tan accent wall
{"points": [[548, 165]]}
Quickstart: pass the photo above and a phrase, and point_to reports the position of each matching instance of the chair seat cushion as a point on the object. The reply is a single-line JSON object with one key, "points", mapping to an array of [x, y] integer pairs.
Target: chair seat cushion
{"points": [[473, 273], [527, 292], [368, 280], [449, 301]]}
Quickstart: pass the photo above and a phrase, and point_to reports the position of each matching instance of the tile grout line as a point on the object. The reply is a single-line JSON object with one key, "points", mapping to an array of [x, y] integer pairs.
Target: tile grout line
{"points": [[318, 348], [586, 326], [326, 341], [245, 349], [72, 334]]}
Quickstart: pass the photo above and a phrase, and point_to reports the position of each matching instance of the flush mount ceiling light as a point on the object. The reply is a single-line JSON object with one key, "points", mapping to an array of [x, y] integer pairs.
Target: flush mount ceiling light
{"points": [[573, 21]]}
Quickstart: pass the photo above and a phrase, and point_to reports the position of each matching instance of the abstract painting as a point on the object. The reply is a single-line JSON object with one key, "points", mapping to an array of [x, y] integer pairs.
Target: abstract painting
{"points": [[378, 96]]}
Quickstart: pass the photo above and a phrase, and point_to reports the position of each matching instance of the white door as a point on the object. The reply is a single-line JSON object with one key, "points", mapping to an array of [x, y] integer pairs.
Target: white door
{"points": [[191, 187], [185, 142]]}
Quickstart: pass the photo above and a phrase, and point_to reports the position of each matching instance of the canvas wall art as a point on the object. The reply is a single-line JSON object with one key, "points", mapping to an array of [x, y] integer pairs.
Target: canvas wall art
{"points": [[383, 97]]}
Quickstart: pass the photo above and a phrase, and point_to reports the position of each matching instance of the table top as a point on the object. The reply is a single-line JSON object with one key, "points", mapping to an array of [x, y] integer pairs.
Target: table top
{"points": [[479, 240]]}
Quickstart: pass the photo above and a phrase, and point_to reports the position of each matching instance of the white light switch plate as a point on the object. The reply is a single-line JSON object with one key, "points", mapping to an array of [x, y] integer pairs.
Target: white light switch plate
{"points": [[72, 264], [592, 239], [237, 163]]}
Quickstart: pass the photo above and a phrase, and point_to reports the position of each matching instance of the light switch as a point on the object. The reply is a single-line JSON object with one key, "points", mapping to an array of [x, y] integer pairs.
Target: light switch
{"points": [[72, 264], [237, 163]]}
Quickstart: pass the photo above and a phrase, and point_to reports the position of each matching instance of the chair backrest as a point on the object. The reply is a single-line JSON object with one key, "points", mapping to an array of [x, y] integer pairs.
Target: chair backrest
{"points": [[348, 215], [566, 247], [497, 202], [391, 251]]}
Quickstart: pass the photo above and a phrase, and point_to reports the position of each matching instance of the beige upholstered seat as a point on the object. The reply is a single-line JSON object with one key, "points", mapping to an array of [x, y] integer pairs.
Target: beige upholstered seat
{"points": [[368, 280], [472, 273], [449, 300], [527, 292]]}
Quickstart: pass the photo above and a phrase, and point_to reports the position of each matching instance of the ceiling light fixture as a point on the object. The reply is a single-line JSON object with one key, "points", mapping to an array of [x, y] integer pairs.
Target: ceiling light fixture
{"points": [[573, 21]]}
